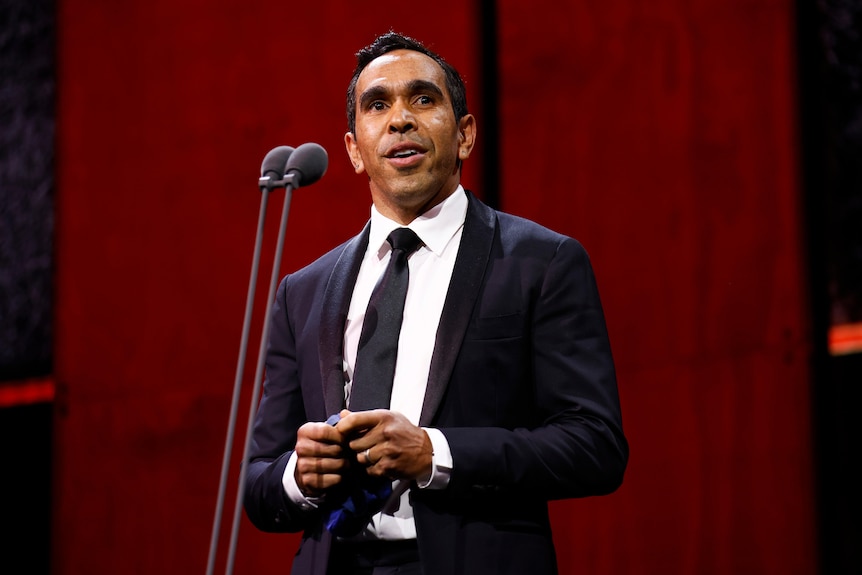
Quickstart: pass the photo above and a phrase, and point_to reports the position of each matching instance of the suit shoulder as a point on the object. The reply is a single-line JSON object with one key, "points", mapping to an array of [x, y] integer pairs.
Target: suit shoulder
{"points": [[518, 230]]}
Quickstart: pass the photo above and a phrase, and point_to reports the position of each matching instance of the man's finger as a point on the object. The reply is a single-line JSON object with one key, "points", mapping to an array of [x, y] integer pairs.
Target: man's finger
{"points": [[309, 448], [360, 421], [320, 465], [319, 431], [313, 484]]}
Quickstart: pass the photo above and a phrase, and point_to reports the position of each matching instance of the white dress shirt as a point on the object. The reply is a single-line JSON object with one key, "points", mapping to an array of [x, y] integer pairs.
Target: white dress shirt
{"points": [[430, 267]]}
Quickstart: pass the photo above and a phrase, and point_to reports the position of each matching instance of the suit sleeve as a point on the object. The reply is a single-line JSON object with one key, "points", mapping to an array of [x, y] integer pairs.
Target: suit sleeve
{"points": [[279, 416], [577, 447]]}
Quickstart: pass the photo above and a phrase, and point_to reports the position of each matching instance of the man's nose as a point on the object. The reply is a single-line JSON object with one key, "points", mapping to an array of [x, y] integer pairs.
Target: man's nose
{"points": [[401, 119]]}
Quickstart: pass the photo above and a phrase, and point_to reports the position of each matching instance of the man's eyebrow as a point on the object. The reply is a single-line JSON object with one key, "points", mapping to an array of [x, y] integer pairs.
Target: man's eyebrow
{"points": [[371, 94], [416, 86], [413, 87]]}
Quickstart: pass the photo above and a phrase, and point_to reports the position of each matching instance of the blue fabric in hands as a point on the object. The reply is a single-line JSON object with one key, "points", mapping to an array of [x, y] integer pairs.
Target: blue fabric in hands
{"points": [[350, 506]]}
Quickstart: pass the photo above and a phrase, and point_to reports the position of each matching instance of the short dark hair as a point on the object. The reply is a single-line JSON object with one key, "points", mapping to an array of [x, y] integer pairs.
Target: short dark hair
{"points": [[393, 41]]}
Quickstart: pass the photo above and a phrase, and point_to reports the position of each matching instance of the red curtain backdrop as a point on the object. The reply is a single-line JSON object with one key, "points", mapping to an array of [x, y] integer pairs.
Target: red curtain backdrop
{"points": [[662, 136]]}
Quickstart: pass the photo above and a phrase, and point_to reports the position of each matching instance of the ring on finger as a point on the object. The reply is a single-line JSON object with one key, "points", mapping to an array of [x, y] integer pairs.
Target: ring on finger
{"points": [[368, 457]]}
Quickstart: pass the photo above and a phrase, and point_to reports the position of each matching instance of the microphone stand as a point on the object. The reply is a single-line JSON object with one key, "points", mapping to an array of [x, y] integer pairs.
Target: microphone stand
{"points": [[266, 184]]}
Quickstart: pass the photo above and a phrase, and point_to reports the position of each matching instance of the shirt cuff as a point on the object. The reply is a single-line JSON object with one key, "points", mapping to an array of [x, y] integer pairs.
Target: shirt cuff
{"points": [[441, 461], [288, 480]]}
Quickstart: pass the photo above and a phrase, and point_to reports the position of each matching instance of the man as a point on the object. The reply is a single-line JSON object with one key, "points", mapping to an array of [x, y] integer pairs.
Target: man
{"points": [[504, 394]]}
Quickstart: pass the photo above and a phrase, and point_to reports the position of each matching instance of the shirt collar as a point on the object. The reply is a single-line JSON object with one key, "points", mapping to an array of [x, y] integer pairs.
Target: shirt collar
{"points": [[435, 228]]}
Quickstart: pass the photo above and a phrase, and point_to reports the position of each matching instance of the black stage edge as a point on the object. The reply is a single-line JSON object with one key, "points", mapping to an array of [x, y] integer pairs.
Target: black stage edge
{"points": [[829, 50], [25, 488], [27, 112]]}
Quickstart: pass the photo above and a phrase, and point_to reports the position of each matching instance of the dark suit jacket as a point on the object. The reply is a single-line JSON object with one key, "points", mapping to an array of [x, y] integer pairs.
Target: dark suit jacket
{"points": [[522, 385]]}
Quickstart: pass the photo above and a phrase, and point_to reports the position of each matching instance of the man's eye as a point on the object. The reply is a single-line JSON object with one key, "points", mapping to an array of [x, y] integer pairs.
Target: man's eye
{"points": [[376, 106], [424, 100]]}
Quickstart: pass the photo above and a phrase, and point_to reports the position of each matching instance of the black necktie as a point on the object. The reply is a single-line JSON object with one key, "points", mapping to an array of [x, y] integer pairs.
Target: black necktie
{"points": [[378, 341], [350, 506]]}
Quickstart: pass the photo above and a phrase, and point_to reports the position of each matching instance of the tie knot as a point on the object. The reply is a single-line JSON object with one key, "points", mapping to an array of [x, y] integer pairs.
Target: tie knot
{"points": [[404, 239]]}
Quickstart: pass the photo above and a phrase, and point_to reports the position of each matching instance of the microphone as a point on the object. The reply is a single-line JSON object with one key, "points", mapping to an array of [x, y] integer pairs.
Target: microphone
{"points": [[275, 161], [273, 166], [306, 165], [288, 168]]}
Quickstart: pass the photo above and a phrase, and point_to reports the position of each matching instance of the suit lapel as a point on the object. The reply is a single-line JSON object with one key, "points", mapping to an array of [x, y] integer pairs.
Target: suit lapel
{"points": [[333, 315], [473, 254]]}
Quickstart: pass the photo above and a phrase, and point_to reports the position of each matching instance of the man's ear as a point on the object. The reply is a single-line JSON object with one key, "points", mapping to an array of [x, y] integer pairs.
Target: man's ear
{"points": [[466, 136], [353, 153]]}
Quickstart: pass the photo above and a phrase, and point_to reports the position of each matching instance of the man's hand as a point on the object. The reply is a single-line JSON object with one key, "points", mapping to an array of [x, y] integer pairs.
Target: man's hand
{"points": [[387, 444], [320, 458]]}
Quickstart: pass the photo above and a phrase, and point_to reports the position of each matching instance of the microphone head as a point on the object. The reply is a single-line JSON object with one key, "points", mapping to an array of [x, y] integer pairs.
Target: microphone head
{"points": [[275, 162], [307, 163]]}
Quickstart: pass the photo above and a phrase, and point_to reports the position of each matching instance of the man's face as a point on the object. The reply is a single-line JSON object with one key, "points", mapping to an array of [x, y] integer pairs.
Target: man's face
{"points": [[406, 137]]}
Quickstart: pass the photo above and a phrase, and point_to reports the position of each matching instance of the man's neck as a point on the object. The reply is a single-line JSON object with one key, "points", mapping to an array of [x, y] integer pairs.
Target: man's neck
{"points": [[404, 213]]}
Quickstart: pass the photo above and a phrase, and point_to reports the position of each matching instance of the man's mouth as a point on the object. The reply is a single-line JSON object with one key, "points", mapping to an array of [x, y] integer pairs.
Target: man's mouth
{"points": [[404, 150], [406, 156]]}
